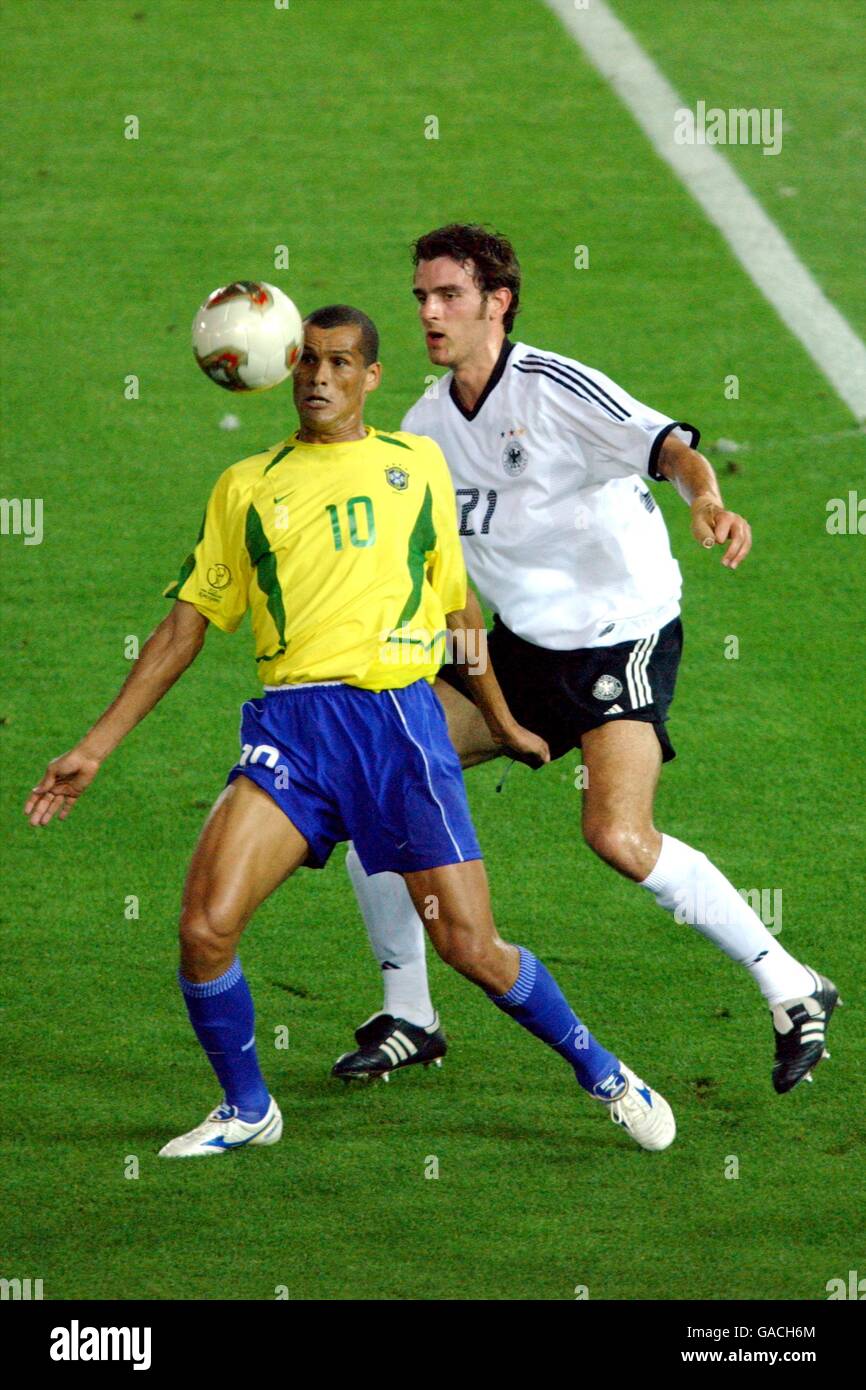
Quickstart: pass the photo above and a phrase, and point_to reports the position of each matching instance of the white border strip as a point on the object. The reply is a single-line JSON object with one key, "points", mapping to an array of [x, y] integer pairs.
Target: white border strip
{"points": [[427, 770], [763, 252]]}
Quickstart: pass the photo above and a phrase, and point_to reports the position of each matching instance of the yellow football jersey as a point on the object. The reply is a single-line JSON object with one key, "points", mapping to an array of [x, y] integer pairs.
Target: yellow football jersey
{"points": [[347, 556]]}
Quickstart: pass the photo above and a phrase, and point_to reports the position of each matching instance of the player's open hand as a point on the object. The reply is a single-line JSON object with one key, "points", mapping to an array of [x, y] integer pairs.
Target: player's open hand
{"points": [[712, 525], [524, 746], [63, 782]]}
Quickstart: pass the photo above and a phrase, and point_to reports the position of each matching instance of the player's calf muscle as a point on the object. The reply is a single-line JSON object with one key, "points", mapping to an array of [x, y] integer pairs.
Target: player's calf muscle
{"points": [[482, 957], [461, 925]]}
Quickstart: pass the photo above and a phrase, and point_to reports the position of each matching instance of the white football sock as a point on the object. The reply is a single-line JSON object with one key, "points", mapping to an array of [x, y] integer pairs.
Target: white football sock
{"points": [[688, 885], [398, 940]]}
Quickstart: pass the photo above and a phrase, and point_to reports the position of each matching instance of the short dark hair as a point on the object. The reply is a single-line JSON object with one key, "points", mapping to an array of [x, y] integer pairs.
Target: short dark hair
{"points": [[336, 315], [494, 261]]}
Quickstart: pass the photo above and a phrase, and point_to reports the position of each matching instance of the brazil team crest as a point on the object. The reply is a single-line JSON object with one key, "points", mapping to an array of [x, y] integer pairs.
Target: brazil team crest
{"points": [[398, 478]]}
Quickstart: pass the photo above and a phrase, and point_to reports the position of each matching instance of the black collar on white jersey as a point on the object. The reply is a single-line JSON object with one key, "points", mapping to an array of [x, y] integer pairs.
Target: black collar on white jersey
{"points": [[492, 381]]}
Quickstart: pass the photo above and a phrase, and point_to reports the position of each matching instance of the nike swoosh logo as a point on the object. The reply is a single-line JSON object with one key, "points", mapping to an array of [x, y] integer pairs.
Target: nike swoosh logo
{"points": [[278, 500], [226, 1144], [221, 1143]]}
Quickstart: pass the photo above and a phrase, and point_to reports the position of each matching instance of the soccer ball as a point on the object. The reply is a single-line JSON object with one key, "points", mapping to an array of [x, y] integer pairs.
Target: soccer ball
{"points": [[247, 336]]}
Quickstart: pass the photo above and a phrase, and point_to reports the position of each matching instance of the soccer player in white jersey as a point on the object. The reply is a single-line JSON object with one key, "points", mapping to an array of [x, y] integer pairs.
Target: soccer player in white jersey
{"points": [[551, 461]]}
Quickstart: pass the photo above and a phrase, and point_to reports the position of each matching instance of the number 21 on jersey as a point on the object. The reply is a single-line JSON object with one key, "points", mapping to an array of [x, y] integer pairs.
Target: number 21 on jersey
{"points": [[473, 497]]}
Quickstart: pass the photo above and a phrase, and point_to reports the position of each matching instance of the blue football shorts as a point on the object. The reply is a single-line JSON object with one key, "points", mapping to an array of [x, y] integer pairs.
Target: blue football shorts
{"points": [[377, 768]]}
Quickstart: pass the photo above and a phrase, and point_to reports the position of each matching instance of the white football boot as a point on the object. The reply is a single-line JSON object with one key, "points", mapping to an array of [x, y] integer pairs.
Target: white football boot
{"points": [[222, 1130], [641, 1111]]}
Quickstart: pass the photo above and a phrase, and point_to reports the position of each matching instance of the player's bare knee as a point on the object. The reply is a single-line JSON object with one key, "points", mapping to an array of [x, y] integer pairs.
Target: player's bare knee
{"points": [[207, 937], [602, 837], [624, 846]]}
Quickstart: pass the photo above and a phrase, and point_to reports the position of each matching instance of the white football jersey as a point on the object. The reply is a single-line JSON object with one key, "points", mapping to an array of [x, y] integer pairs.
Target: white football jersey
{"points": [[560, 532]]}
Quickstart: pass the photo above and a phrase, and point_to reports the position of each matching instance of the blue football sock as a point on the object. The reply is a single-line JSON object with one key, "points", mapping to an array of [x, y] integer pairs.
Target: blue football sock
{"points": [[221, 1012], [536, 1001]]}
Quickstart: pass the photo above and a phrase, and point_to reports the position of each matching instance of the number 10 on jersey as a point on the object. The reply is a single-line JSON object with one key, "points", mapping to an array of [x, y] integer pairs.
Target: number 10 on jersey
{"points": [[359, 536]]}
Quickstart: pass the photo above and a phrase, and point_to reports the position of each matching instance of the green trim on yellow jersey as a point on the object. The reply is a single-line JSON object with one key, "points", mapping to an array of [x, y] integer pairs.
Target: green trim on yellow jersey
{"points": [[264, 563], [421, 542], [278, 458], [188, 565], [332, 548]]}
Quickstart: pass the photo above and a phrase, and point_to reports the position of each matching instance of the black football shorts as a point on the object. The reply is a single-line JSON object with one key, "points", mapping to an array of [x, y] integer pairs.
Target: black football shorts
{"points": [[562, 694]]}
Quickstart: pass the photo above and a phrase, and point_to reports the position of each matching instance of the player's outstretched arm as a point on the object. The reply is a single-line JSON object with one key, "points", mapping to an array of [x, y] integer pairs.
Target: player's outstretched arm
{"points": [[469, 646], [170, 649], [695, 480]]}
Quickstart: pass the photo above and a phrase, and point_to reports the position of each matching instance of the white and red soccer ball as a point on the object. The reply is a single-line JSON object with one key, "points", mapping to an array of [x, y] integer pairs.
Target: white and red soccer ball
{"points": [[247, 336]]}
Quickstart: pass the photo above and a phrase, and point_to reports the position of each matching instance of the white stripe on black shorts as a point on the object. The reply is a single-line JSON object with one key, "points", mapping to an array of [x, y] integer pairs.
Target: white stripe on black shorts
{"points": [[561, 695]]}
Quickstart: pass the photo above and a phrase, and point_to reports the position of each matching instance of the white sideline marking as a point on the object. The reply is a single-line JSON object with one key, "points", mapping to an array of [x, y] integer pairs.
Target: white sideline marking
{"points": [[763, 252]]}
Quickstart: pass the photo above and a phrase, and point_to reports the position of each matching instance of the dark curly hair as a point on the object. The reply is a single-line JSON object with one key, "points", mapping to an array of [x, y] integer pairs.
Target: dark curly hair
{"points": [[494, 262]]}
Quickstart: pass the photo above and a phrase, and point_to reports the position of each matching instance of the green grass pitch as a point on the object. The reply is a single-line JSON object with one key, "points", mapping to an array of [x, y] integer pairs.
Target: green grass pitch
{"points": [[261, 127]]}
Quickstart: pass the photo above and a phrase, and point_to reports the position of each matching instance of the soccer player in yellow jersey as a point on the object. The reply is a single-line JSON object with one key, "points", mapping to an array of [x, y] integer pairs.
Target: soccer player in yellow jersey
{"points": [[342, 542]]}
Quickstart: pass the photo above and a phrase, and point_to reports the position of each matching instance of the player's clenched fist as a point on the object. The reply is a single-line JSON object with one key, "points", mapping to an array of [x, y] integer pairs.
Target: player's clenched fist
{"points": [[63, 782], [713, 525]]}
